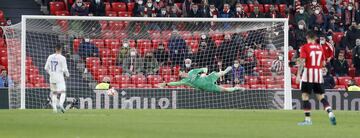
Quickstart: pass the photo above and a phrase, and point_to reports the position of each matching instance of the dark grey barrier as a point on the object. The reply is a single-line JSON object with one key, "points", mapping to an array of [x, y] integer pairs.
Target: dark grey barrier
{"points": [[4, 98]]}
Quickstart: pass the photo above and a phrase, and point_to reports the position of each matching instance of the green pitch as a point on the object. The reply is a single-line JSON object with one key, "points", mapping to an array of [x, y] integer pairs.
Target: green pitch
{"points": [[174, 124]]}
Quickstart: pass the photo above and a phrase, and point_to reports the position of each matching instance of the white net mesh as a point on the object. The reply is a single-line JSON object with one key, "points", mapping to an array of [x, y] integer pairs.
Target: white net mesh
{"points": [[162, 50]]}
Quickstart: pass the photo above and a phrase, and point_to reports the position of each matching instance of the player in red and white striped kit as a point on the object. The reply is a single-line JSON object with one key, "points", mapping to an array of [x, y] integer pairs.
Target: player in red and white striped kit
{"points": [[311, 61]]}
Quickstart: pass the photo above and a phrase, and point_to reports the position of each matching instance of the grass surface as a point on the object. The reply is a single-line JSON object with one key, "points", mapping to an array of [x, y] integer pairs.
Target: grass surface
{"points": [[175, 124]]}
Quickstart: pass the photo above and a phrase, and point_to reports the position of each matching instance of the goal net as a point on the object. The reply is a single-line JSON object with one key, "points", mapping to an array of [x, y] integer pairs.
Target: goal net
{"points": [[135, 54]]}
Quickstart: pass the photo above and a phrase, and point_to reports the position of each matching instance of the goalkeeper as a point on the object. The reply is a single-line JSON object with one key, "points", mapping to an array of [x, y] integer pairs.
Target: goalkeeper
{"points": [[202, 82]]}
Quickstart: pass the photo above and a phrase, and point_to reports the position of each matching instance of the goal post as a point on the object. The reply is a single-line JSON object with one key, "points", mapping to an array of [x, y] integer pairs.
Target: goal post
{"points": [[33, 26]]}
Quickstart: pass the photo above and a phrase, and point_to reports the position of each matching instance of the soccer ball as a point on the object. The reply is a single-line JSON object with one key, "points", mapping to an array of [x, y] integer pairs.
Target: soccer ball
{"points": [[111, 92]]}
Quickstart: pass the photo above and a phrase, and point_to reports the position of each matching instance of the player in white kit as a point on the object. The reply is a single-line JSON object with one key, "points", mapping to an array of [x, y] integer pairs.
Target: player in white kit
{"points": [[56, 67]]}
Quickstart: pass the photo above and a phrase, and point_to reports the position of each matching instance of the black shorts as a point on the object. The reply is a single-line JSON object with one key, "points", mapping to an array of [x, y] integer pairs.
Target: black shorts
{"points": [[317, 88]]}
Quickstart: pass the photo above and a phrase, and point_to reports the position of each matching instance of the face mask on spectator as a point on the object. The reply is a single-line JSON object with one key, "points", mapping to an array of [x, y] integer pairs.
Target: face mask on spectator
{"points": [[236, 65], [87, 40], [317, 11], [314, 3], [79, 4], [97, 1], [149, 4], [322, 41], [349, 8], [188, 65], [140, 2], [161, 47], [133, 54], [301, 11], [125, 45], [281, 58], [250, 54], [329, 37], [203, 36], [163, 12], [195, 9], [238, 9], [301, 26], [357, 42], [157, 0], [212, 9]]}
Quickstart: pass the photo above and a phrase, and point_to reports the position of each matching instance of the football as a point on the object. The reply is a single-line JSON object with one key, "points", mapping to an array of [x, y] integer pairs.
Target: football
{"points": [[111, 92]]}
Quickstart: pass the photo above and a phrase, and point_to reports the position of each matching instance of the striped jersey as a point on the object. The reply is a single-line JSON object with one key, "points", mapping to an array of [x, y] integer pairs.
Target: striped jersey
{"points": [[314, 59]]}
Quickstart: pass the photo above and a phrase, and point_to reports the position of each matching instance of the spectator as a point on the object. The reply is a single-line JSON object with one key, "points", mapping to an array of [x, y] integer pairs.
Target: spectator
{"points": [[270, 35], [237, 76], [348, 16], [139, 9], [151, 65], [332, 26], [204, 9], [163, 13], [357, 15], [149, 9], [174, 11], [352, 86], [302, 15], [194, 12], [226, 12], [311, 7], [351, 36], [240, 13], [133, 64], [178, 49], [5, 80], [328, 47], [187, 65], [123, 52], [205, 56], [227, 51], [273, 13], [104, 85], [97, 8], [300, 34], [87, 49], [186, 7], [249, 62], [256, 13], [356, 57], [341, 67], [159, 4], [329, 82], [79, 9], [277, 66], [213, 11], [161, 55], [318, 19]]}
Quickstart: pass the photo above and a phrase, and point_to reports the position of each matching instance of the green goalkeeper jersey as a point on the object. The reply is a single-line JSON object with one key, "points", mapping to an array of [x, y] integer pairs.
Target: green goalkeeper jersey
{"points": [[194, 80]]}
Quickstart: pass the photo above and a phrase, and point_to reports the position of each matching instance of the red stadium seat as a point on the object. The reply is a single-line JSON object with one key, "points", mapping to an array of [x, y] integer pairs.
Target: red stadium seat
{"points": [[144, 43], [217, 36], [154, 79], [56, 6], [127, 85], [251, 80], [357, 80], [108, 62], [251, 8], [41, 85], [218, 42], [267, 80], [165, 70], [295, 86], [336, 80], [273, 54], [2, 42], [4, 61], [116, 25], [337, 36], [260, 54], [258, 86], [343, 80], [104, 52], [267, 8], [322, 2], [120, 34], [114, 52], [196, 36], [282, 8], [124, 14], [2, 15], [279, 80], [115, 70], [261, 7], [144, 86], [130, 6], [3, 51], [96, 71], [265, 63], [99, 43], [35, 79], [104, 25], [274, 86], [92, 61], [291, 54], [76, 44], [62, 13], [138, 79], [176, 70], [111, 13], [122, 79], [107, 6], [166, 34], [112, 43], [263, 71], [185, 34], [170, 78], [118, 6]]}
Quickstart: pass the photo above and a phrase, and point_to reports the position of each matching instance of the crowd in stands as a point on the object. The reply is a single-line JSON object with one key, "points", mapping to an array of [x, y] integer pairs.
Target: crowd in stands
{"points": [[336, 22]]}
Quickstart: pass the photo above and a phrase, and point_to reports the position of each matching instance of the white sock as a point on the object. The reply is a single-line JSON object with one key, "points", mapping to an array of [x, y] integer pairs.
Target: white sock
{"points": [[54, 102], [331, 114], [62, 99], [308, 119]]}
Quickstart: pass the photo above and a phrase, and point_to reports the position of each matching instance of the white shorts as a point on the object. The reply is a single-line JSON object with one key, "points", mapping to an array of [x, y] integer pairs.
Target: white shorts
{"points": [[57, 87]]}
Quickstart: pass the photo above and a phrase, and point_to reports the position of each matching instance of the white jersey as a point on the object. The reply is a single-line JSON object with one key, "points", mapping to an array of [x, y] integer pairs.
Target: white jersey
{"points": [[56, 67]]}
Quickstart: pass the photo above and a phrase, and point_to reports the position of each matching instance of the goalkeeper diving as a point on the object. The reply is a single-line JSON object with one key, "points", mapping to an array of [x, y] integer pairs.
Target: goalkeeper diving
{"points": [[198, 79]]}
